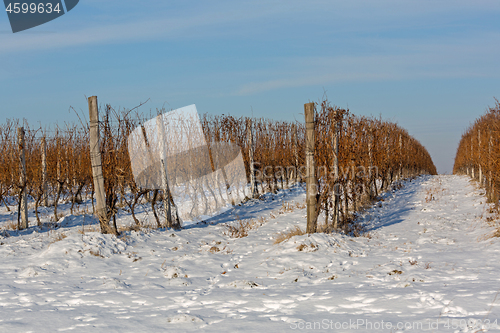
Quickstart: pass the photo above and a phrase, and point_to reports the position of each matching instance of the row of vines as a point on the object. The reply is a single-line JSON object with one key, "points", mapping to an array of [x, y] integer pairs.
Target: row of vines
{"points": [[373, 154], [478, 153]]}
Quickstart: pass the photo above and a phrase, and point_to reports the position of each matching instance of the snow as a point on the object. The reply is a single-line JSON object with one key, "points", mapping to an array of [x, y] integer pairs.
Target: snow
{"points": [[426, 263]]}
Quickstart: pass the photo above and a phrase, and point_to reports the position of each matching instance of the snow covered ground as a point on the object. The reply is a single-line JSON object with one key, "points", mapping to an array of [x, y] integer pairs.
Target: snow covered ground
{"points": [[426, 264]]}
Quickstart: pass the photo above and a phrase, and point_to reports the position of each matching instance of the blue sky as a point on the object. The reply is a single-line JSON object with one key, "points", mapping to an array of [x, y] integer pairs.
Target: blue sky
{"points": [[430, 66]]}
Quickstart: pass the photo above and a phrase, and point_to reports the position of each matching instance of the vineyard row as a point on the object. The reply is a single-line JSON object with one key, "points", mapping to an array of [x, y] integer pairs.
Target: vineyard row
{"points": [[356, 158], [478, 153]]}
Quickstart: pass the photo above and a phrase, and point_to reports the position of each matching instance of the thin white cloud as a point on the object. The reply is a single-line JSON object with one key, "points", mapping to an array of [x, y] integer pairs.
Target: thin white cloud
{"points": [[226, 17], [474, 56], [113, 33], [140, 27]]}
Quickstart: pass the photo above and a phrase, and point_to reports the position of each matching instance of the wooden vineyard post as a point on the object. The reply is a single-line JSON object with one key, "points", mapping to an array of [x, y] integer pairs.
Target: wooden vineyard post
{"points": [[296, 153], [167, 207], [253, 183], [388, 163], [373, 168], [400, 157], [479, 157], [466, 162], [44, 173], [370, 163], [22, 219], [467, 158], [60, 182], [224, 176], [311, 186], [472, 156], [336, 186], [490, 163], [95, 158]]}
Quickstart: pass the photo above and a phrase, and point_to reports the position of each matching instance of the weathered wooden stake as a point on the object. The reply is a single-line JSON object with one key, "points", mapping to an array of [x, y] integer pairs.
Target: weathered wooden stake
{"points": [[23, 204], [370, 163], [166, 196], [389, 171], [58, 173], [472, 156], [336, 186], [311, 186], [400, 156], [95, 157], [44, 173], [467, 154], [164, 178], [479, 157], [253, 183], [296, 152], [168, 202], [490, 162]]}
